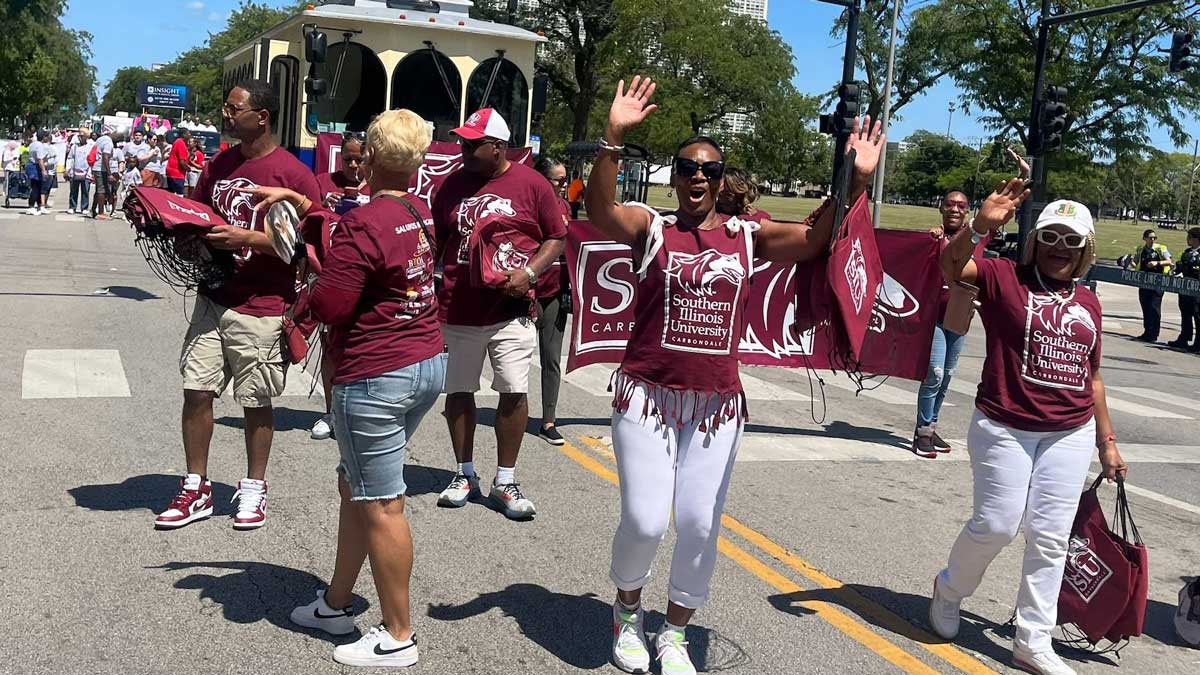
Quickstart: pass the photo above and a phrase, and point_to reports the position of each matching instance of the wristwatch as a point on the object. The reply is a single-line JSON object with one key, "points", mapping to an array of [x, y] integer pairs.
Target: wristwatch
{"points": [[531, 274]]}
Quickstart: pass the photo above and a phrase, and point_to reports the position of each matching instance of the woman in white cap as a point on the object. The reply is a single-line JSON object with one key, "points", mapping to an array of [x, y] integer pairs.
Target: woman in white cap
{"points": [[1040, 414]]}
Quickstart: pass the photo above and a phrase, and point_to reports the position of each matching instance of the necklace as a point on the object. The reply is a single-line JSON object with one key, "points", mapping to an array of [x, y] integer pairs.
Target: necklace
{"points": [[1058, 297]]}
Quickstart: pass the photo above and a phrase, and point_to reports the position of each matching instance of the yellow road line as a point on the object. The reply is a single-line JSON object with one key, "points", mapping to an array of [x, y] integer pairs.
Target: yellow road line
{"points": [[832, 615], [848, 597]]}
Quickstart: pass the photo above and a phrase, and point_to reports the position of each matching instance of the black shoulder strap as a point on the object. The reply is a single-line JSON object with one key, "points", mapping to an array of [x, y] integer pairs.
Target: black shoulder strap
{"points": [[416, 216]]}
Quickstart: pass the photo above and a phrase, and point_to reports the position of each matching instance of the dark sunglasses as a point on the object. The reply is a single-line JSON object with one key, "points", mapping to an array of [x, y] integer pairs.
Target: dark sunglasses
{"points": [[472, 146], [688, 168], [360, 136]]}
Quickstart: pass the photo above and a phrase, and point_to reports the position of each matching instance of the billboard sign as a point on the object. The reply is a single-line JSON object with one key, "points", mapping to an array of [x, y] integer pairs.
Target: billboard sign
{"points": [[163, 95]]}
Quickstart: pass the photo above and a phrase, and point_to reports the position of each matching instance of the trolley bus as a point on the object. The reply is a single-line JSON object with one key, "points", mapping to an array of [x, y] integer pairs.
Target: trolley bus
{"points": [[339, 63]]}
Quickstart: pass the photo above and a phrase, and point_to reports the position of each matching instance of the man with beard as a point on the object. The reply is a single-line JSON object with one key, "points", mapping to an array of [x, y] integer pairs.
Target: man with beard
{"points": [[236, 329], [496, 323]]}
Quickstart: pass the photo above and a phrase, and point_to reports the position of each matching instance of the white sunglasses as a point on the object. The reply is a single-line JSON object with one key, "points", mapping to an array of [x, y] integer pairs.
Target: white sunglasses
{"points": [[1070, 239]]}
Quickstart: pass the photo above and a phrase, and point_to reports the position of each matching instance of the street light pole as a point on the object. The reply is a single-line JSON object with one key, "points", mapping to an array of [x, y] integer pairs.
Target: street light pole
{"points": [[849, 60], [887, 117], [950, 119], [1187, 217]]}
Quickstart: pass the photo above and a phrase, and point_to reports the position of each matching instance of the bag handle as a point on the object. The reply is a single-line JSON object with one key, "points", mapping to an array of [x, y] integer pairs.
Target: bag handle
{"points": [[1124, 516], [417, 217]]}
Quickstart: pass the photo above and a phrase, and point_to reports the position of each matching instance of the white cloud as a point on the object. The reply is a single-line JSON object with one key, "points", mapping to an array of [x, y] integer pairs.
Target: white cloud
{"points": [[196, 6], [219, 16]]}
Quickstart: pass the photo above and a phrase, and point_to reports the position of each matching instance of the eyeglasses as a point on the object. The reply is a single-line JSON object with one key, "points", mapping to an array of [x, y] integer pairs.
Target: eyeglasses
{"points": [[1070, 240], [360, 136], [961, 206], [231, 109], [559, 181], [351, 159], [687, 168], [472, 146]]}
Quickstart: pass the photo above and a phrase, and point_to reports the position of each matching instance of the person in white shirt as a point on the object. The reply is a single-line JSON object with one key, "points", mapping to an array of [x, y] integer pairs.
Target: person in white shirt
{"points": [[40, 171], [131, 178], [78, 171], [10, 160], [102, 175]]}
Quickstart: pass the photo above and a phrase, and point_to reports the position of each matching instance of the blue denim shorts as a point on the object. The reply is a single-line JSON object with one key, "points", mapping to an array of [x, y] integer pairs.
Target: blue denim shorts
{"points": [[373, 419]]}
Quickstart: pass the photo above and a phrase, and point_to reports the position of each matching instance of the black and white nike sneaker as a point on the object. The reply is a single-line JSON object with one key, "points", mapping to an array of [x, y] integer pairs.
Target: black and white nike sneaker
{"points": [[378, 649], [317, 614]]}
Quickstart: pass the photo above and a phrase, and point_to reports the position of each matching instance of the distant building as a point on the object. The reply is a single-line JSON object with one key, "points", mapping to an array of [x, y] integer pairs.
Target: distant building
{"points": [[741, 123]]}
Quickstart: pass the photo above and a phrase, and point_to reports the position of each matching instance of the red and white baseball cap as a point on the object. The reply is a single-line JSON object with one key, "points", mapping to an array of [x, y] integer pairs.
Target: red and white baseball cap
{"points": [[486, 123]]}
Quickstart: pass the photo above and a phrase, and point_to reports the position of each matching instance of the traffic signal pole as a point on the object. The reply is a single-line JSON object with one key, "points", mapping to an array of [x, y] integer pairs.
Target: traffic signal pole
{"points": [[1033, 144], [848, 63]]}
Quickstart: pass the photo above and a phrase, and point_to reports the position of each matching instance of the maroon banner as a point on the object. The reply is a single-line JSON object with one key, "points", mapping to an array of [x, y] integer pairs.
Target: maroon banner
{"points": [[441, 160], [898, 340]]}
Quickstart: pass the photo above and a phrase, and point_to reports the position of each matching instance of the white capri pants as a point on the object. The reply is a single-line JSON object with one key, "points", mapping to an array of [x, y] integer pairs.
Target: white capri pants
{"points": [[1028, 477], [661, 468]]}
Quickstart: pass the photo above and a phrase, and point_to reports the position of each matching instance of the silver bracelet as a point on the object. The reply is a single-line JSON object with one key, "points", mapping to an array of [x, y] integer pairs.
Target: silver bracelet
{"points": [[605, 145]]}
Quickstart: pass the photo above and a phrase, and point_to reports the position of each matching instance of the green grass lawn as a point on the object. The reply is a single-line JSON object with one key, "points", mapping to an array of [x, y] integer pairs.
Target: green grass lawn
{"points": [[1114, 238]]}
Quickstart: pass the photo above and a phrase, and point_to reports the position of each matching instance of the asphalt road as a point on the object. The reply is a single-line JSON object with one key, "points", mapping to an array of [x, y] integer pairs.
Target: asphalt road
{"points": [[833, 535]]}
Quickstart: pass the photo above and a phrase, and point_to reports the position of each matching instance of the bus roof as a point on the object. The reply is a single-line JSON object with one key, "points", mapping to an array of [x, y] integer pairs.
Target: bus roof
{"points": [[452, 17]]}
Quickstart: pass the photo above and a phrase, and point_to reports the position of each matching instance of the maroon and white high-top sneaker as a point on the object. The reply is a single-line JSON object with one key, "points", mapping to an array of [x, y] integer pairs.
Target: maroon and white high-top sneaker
{"points": [[251, 498], [194, 502]]}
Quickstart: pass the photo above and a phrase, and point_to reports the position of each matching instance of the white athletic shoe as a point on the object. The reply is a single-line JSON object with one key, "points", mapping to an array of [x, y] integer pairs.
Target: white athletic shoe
{"points": [[319, 615], [629, 652], [323, 429], [1040, 663], [944, 615], [378, 649], [510, 500], [460, 490], [673, 654], [44, 211], [32, 211]]}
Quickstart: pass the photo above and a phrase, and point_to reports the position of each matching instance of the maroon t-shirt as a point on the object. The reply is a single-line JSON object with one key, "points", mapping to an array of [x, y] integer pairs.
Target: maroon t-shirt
{"points": [[262, 284], [376, 291], [554, 279], [462, 200], [1041, 352]]}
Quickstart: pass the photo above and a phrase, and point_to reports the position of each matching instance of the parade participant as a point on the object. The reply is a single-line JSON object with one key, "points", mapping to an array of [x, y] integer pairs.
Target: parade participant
{"points": [[1153, 258], [376, 294], [946, 346], [679, 410], [136, 146], [575, 194], [196, 150], [340, 192], [344, 190], [737, 197], [78, 171], [39, 169], [151, 162], [179, 161], [1189, 305], [1040, 417], [552, 313], [235, 331], [102, 174], [486, 322]]}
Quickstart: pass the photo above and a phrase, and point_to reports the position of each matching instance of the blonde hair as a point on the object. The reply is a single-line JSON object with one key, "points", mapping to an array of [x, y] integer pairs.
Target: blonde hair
{"points": [[744, 191], [1029, 256], [397, 141]]}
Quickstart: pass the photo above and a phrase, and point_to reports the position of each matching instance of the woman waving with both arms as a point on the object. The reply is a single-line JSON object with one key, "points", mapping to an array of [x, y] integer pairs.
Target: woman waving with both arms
{"points": [[679, 410]]}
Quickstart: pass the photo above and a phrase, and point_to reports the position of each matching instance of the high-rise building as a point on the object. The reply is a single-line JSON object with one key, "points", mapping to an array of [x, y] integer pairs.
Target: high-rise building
{"points": [[739, 123]]}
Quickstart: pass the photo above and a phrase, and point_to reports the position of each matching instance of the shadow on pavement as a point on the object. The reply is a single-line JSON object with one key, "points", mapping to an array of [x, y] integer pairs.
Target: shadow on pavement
{"points": [[905, 614], [836, 429], [575, 628], [286, 419], [424, 480], [150, 491], [124, 292], [256, 591]]}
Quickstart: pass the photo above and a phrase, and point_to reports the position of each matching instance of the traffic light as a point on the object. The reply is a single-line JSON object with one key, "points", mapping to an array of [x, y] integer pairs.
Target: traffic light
{"points": [[841, 122], [1180, 51], [1054, 119]]}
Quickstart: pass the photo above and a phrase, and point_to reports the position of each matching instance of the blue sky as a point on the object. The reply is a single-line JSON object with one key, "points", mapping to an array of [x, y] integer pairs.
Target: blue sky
{"points": [[135, 34]]}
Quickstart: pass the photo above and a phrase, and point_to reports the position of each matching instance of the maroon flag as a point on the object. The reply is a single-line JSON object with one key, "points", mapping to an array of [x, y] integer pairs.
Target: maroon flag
{"points": [[854, 274], [899, 331], [442, 159]]}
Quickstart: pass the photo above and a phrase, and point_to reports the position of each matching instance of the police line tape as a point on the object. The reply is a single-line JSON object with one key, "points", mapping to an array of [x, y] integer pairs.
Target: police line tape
{"points": [[1150, 280]]}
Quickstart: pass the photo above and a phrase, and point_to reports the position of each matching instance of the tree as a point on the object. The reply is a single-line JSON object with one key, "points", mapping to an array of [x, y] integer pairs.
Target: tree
{"points": [[47, 73], [1117, 82], [707, 61], [784, 146], [925, 159], [578, 31]]}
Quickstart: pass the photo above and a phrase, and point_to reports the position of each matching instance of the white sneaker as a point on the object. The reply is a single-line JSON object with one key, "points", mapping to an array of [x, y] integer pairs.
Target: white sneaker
{"points": [[251, 498], [323, 429], [511, 501], [378, 649], [32, 212], [44, 211], [460, 490], [673, 654], [944, 615], [629, 651], [1040, 663], [319, 615], [71, 211]]}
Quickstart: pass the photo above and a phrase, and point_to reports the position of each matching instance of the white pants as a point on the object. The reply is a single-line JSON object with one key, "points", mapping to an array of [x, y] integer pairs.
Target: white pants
{"points": [[1030, 477], [663, 467]]}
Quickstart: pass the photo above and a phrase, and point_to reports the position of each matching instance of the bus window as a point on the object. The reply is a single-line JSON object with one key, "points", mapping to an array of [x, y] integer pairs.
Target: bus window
{"points": [[427, 83], [509, 94], [357, 89], [285, 77]]}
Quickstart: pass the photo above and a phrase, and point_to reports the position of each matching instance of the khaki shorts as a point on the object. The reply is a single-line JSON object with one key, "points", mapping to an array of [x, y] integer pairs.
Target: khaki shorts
{"points": [[224, 346], [508, 345]]}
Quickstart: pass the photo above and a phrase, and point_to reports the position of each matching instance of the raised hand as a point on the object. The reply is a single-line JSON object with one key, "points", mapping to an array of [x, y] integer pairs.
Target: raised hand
{"points": [[867, 141], [629, 108], [1000, 206], [1022, 165]]}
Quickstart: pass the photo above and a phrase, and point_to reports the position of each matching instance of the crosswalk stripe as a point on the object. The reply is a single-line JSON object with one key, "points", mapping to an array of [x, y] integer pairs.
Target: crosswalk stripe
{"points": [[593, 379], [73, 373], [9, 216], [1153, 394], [762, 390], [885, 393], [1142, 410], [66, 218]]}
